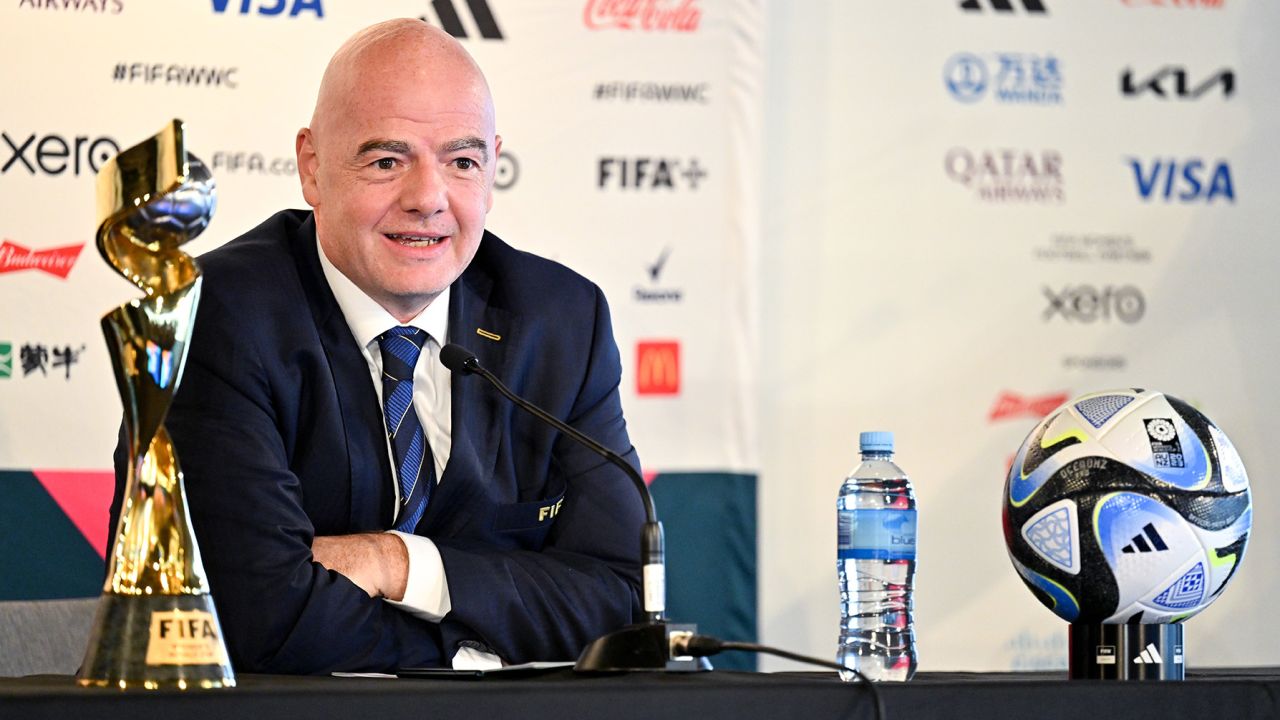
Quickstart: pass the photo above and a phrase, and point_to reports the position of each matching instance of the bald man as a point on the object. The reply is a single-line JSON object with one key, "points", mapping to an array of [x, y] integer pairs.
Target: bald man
{"points": [[357, 507]]}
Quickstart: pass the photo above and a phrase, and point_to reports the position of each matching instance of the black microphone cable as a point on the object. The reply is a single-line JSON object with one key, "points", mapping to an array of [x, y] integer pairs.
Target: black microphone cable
{"points": [[652, 545], [681, 643], [706, 646]]}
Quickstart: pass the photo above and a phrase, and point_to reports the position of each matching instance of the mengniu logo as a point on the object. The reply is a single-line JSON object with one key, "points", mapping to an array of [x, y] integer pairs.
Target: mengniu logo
{"points": [[1033, 7], [55, 261], [39, 358], [54, 154], [446, 13], [1171, 81], [109, 7], [1015, 78], [648, 173], [658, 367], [269, 7], [1183, 181], [645, 15], [1011, 405]]}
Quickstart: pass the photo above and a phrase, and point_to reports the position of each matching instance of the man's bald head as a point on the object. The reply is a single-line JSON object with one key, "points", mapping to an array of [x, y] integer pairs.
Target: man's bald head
{"points": [[399, 161], [403, 47]]}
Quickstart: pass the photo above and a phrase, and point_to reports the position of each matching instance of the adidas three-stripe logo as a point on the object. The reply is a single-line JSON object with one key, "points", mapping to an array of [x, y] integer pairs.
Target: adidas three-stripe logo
{"points": [[1031, 6], [1150, 655], [1139, 542], [451, 22]]}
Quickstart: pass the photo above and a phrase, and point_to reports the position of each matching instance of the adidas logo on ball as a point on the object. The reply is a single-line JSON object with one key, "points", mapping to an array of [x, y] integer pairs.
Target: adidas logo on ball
{"points": [[1139, 542]]}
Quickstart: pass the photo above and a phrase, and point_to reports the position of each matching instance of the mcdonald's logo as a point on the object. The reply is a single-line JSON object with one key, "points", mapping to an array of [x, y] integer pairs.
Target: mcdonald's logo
{"points": [[658, 367]]}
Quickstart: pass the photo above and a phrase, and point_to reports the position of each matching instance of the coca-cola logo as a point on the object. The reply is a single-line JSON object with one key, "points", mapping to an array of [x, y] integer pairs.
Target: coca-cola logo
{"points": [[648, 15], [55, 261], [1012, 405]]}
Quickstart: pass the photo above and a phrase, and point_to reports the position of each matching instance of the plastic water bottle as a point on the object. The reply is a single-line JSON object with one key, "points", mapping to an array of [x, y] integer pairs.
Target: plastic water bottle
{"points": [[876, 551]]}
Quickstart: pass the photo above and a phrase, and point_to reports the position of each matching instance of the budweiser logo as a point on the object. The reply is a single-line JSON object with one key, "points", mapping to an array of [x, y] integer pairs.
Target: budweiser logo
{"points": [[1011, 405], [55, 261], [677, 15]]}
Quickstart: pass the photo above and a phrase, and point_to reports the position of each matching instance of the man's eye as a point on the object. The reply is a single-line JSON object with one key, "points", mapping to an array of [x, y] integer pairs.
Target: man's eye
{"points": [[465, 163], [386, 163]]}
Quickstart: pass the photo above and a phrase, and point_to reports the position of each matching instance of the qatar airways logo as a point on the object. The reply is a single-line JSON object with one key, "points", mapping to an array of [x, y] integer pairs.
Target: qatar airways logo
{"points": [[647, 15], [55, 261]]}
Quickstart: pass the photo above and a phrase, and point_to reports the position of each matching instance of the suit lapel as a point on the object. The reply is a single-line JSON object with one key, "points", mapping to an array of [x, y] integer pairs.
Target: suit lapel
{"points": [[476, 318], [369, 469]]}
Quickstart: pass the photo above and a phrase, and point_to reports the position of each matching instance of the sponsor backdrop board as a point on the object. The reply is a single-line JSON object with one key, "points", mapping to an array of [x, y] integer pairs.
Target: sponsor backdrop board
{"points": [[811, 219], [979, 210], [630, 154]]}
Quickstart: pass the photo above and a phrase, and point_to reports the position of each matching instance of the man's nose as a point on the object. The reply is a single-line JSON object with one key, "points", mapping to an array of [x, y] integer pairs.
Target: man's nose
{"points": [[424, 190]]}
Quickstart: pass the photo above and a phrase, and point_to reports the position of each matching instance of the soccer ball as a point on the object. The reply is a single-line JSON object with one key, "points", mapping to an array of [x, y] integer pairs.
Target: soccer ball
{"points": [[1127, 506], [177, 217]]}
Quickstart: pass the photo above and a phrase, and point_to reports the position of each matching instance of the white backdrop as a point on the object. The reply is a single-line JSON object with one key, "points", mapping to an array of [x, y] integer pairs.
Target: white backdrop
{"points": [[895, 297]]}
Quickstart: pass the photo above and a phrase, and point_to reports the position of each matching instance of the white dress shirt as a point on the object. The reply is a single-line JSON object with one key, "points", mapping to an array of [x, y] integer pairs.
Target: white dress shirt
{"points": [[426, 592]]}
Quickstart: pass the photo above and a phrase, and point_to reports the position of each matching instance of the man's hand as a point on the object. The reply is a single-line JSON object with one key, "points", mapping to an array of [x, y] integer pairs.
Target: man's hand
{"points": [[377, 563]]}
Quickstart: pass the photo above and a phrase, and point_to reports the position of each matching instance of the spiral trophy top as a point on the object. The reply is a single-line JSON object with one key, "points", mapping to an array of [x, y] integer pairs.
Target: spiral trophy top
{"points": [[140, 232]]}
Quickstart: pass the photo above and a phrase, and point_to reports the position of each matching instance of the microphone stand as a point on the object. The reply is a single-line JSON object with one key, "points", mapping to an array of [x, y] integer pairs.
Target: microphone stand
{"points": [[646, 646]]}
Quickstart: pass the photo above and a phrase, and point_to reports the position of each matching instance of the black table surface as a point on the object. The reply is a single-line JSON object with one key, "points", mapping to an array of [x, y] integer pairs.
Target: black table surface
{"points": [[1222, 694]]}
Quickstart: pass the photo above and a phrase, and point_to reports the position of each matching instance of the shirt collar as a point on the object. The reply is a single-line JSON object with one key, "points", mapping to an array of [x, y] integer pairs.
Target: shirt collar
{"points": [[367, 319]]}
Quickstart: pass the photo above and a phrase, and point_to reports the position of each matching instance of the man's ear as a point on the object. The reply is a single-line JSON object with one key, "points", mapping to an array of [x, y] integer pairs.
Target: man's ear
{"points": [[497, 152], [308, 162]]}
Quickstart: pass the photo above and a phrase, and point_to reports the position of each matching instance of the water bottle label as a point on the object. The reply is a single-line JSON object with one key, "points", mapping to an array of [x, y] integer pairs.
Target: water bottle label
{"points": [[876, 534]]}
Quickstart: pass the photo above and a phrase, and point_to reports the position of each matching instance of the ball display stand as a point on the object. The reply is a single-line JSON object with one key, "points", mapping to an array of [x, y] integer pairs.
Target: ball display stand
{"points": [[1126, 652]]}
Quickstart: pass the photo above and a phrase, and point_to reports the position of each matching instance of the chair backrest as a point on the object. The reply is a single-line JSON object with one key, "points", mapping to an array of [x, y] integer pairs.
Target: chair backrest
{"points": [[44, 636]]}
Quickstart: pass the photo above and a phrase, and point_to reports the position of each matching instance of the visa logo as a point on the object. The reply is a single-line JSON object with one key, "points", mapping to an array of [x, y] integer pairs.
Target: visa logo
{"points": [[273, 7], [1183, 181]]}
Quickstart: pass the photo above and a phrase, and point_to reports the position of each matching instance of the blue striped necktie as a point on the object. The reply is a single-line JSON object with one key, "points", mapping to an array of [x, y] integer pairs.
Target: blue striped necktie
{"points": [[415, 468]]}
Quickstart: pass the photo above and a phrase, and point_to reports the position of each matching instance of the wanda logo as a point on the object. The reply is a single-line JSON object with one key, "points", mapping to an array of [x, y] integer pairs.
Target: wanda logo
{"points": [[55, 261], [648, 15], [1012, 405]]}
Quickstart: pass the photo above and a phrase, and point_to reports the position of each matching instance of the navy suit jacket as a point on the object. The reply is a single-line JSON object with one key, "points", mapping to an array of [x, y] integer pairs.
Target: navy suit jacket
{"points": [[279, 432]]}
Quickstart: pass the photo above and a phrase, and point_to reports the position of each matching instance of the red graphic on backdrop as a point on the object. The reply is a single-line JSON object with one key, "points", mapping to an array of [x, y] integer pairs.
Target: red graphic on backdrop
{"points": [[85, 497], [1012, 405], [658, 367], [1213, 4], [648, 15], [55, 261]]}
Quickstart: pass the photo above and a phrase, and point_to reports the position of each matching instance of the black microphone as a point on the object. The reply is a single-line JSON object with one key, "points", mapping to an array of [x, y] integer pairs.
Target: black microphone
{"points": [[644, 646]]}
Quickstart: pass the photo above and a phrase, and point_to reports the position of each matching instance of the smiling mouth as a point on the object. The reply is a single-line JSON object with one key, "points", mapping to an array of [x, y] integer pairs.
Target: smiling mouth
{"points": [[414, 240]]}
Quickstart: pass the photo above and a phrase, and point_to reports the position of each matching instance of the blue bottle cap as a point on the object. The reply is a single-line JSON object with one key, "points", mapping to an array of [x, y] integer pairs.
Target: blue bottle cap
{"points": [[875, 441]]}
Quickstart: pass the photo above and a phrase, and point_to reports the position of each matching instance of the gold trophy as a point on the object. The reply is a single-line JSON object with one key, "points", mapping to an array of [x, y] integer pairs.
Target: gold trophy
{"points": [[156, 626]]}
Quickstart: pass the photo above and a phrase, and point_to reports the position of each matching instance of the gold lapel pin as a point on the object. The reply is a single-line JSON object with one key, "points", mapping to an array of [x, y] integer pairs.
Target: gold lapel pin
{"points": [[486, 334]]}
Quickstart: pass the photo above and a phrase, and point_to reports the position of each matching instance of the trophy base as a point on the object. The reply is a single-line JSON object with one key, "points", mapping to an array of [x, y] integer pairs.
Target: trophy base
{"points": [[1126, 652], [156, 642]]}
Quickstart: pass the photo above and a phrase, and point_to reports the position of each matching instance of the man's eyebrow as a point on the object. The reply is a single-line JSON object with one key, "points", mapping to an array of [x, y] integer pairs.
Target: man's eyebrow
{"points": [[396, 146], [467, 143]]}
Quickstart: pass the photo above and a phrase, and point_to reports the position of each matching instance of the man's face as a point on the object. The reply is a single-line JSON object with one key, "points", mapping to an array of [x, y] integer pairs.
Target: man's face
{"points": [[399, 171]]}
